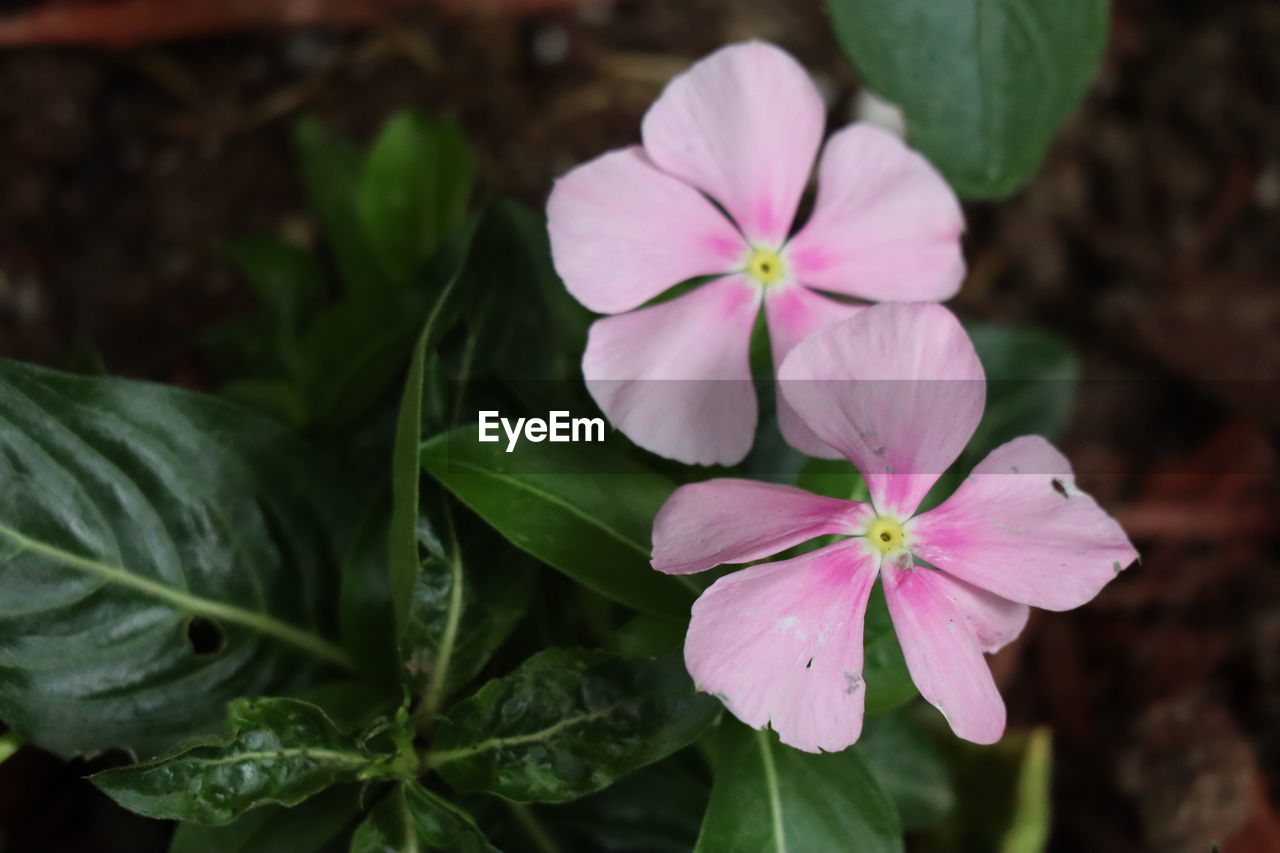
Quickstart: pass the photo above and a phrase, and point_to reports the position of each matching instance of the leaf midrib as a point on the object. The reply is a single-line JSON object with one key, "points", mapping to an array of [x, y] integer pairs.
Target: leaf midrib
{"points": [[573, 510], [436, 759], [258, 621]]}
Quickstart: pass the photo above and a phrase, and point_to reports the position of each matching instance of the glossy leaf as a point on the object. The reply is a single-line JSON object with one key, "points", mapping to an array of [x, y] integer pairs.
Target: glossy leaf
{"points": [[305, 828], [983, 85], [413, 819], [594, 527], [278, 751], [466, 599], [569, 722], [413, 190], [769, 798], [161, 552], [903, 756]]}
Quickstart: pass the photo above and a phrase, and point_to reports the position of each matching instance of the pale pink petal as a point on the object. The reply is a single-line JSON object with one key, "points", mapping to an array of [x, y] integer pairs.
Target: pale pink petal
{"points": [[995, 621], [743, 125], [781, 645], [898, 390], [793, 312], [736, 521], [885, 225], [676, 377], [623, 231], [1020, 527], [944, 651]]}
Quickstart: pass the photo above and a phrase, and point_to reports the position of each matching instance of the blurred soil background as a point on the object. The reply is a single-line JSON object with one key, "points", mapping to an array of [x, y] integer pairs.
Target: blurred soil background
{"points": [[1150, 240]]}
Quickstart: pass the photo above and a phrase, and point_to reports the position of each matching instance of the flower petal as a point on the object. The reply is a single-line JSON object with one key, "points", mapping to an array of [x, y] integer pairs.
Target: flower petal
{"points": [[622, 232], [676, 377], [736, 521], [1018, 526], [794, 312], [943, 650], [781, 645], [885, 226], [898, 390], [743, 125]]}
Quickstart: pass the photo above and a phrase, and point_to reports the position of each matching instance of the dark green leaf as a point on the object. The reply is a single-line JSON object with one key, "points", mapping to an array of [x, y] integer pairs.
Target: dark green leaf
{"points": [[983, 85], [278, 751], [466, 599], [365, 610], [413, 819], [884, 669], [414, 190], [305, 828], [835, 478], [594, 527], [1031, 378], [286, 278], [769, 798], [160, 553], [569, 722], [905, 760], [539, 347], [331, 170], [406, 471]]}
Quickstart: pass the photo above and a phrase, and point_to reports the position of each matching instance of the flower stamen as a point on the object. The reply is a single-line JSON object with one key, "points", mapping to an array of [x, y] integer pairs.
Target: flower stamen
{"points": [[886, 535], [765, 266]]}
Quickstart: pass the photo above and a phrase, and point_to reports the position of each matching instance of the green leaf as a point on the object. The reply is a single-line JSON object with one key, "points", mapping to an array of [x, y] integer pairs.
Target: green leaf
{"points": [[161, 552], [286, 278], [364, 606], [834, 478], [884, 668], [544, 340], [1029, 829], [414, 190], [905, 760], [769, 798], [304, 828], [10, 743], [594, 527], [1031, 378], [466, 599], [406, 471], [984, 85], [331, 170], [278, 751], [354, 351], [569, 722], [413, 819]]}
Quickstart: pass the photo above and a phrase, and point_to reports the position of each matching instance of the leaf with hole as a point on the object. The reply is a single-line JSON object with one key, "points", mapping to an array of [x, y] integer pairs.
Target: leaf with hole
{"points": [[161, 552], [569, 722], [278, 751]]}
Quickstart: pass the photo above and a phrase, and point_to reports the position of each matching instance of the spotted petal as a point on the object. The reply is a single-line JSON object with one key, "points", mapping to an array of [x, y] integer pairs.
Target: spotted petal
{"points": [[1020, 527], [622, 232], [943, 639], [743, 125], [676, 377], [736, 521], [898, 390], [885, 226], [781, 645]]}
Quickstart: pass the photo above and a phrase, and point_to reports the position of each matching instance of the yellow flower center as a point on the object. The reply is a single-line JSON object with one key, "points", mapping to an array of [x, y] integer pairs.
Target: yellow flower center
{"points": [[766, 266], [886, 535]]}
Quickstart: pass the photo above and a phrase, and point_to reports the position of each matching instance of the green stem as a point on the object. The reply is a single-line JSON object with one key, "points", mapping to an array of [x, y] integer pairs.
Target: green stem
{"points": [[260, 622], [775, 795], [535, 830]]}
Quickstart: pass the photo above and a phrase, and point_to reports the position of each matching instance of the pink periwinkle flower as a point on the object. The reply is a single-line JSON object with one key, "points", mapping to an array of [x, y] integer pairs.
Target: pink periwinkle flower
{"points": [[741, 128], [899, 391]]}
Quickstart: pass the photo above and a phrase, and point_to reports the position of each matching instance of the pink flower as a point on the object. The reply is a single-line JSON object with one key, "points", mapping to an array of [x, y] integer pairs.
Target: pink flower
{"points": [[781, 643], [741, 128]]}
